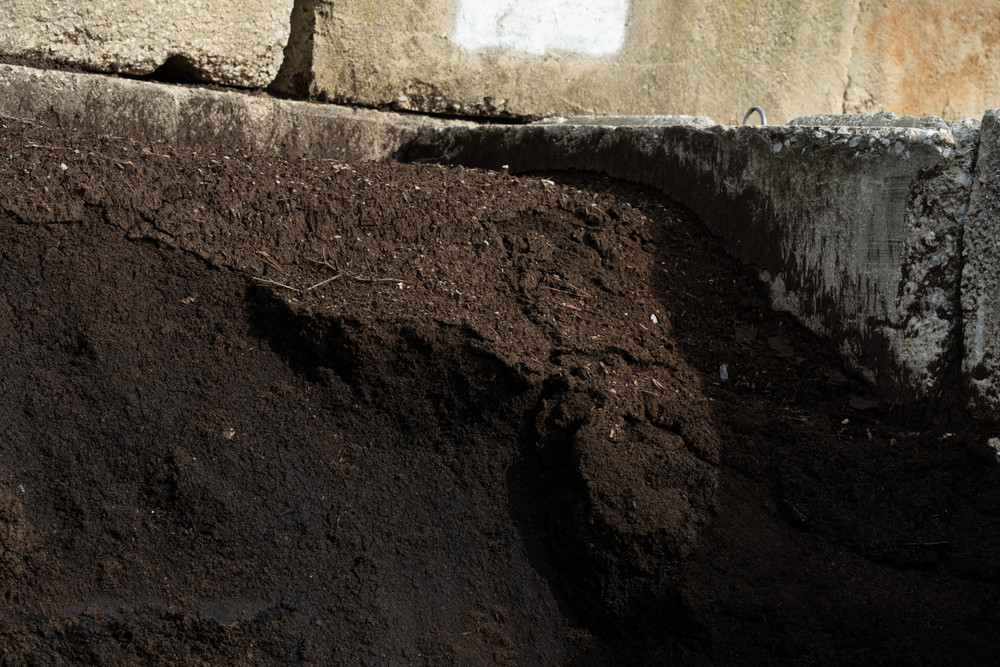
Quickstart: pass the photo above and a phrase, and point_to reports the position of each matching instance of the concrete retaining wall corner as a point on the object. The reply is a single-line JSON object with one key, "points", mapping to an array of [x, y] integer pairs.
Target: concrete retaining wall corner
{"points": [[855, 230]]}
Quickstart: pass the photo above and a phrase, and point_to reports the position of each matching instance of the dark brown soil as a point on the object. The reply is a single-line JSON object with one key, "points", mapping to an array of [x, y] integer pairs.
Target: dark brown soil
{"points": [[258, 412]]}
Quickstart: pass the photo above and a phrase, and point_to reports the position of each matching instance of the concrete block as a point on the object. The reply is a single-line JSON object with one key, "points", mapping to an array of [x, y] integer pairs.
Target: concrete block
{"points": [[204, 119], [981, 278], [855, 230], [546, 57], [222, 41]]}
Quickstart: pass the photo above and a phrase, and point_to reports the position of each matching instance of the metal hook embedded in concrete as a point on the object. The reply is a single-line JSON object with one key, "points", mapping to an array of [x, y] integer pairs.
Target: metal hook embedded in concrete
{"points": [[763, 117]]}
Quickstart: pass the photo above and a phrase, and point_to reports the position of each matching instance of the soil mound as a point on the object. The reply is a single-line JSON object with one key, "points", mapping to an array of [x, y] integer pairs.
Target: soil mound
{"points": [[259, 411]]}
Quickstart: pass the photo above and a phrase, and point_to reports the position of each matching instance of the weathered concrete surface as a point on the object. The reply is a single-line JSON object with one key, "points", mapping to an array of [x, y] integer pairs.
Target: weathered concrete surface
{"points": [[880, 119], [223, 41], [186, 116], [544, 57], [855, 230], [926, 57], [981, 278]]}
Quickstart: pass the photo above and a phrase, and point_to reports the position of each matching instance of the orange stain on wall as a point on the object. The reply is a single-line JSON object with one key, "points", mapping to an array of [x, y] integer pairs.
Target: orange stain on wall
{"points": [[939, 58]]}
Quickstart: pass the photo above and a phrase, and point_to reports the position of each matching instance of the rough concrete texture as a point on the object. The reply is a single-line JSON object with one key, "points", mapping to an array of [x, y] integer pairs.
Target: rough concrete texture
{"points": [[223, 41], [880, 119], [981, 278], [195, 117], [545, 57], [926, 57], [536, 57], [856, 230], [697, 57]]}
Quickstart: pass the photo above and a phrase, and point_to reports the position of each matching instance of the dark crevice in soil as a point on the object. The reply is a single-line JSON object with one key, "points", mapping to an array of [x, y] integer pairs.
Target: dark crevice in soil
{"points": [[547, 499]]}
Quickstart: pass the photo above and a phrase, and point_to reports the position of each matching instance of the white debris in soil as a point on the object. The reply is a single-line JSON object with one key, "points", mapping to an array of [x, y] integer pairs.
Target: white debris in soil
{"points": [[995, 444], [723, 372]]}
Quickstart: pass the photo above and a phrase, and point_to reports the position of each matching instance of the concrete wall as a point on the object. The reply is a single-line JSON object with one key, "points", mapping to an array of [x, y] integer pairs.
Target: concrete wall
{"points": [[926, 57], [519, 57], [705, 57], [544, 57]]}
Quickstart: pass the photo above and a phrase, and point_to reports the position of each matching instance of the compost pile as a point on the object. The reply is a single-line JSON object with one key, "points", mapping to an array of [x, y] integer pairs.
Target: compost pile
{"points": [[257, 411]]}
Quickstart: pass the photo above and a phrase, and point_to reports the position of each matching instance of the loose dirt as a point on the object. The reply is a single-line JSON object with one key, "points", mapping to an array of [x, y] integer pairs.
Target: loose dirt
{"points": [[256, 411]]}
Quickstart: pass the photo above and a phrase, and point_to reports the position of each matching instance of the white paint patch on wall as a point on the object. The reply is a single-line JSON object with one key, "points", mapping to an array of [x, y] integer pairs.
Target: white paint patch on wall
{"points": [[591, 27]]}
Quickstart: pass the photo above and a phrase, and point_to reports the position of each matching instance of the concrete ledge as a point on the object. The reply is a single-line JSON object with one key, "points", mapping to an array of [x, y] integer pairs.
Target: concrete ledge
{"points": [[855, 230], [191, 116]]}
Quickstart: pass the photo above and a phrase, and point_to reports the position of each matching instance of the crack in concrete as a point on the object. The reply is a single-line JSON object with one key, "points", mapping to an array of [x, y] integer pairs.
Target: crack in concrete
{"points": [[295, 75], [959, 348]]}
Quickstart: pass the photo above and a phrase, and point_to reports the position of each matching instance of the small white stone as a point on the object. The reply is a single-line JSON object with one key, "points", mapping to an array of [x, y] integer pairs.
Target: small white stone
{"points": [[995, 444], [652, 318]]}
